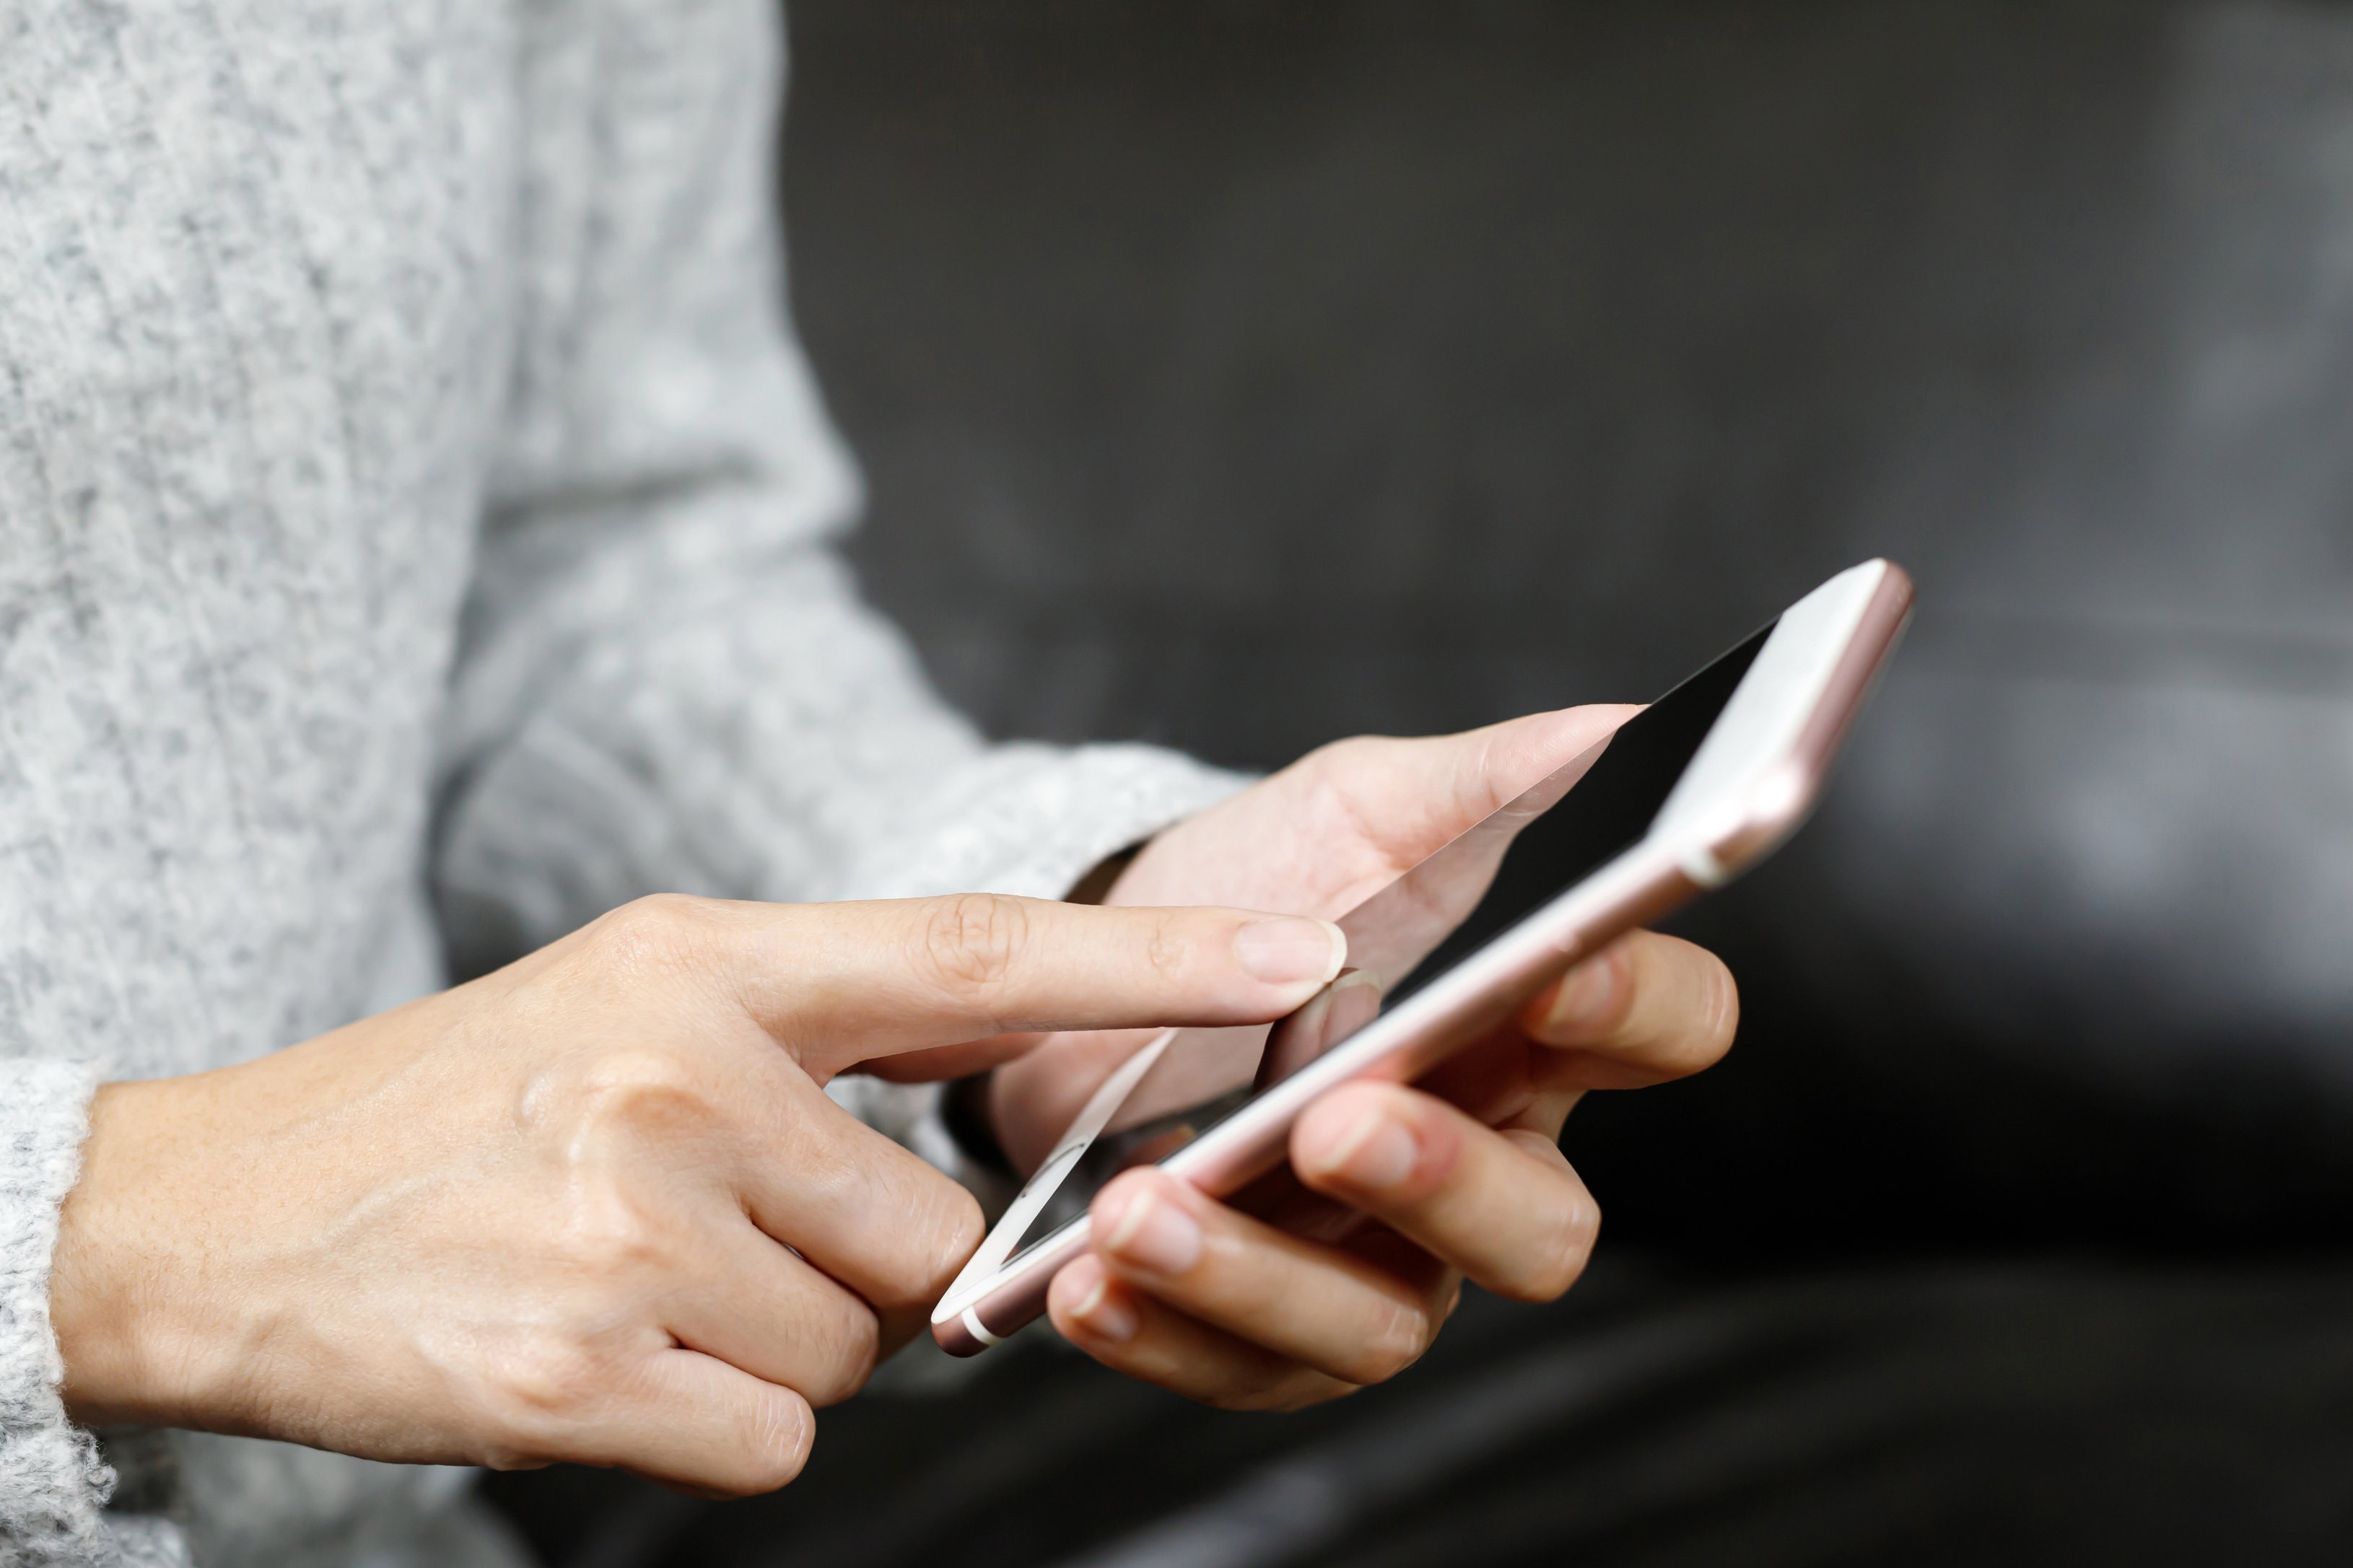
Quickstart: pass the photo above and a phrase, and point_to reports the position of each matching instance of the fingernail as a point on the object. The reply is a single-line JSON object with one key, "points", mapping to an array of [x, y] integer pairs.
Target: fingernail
{"points": [[1286, 951], [1375, 1153], [1103, 1315], [1154, 1235], [1586, 997]]}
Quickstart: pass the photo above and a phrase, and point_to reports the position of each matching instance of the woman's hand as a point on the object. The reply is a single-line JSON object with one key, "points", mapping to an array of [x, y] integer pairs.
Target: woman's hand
{"points": [[1460, 1176], [597, 1206]]}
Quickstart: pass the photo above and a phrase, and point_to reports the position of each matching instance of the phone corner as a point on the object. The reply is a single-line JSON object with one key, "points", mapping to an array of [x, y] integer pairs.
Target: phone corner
{"points": [[955, 1336]]}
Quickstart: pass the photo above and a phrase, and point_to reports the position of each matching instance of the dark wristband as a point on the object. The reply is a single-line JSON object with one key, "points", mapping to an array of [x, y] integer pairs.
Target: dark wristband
{"points": [[963, 1111], [1096, 885]]}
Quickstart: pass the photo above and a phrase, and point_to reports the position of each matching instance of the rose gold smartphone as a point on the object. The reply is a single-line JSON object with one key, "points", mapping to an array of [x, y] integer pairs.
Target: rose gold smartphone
{"points": [[1691, 791]]}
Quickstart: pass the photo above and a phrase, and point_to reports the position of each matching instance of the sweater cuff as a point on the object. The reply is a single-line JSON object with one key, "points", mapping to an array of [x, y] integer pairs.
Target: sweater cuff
{"points": [[1032, 820], [1025, 819], [53, 1484]]}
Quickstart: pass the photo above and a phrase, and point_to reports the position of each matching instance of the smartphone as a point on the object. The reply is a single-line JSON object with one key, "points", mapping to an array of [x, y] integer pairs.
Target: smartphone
{"points": [[1690, 791]]}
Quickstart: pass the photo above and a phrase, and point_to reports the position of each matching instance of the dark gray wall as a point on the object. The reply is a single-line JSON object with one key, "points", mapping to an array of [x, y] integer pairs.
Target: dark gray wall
{"points": [[1242, 375]]}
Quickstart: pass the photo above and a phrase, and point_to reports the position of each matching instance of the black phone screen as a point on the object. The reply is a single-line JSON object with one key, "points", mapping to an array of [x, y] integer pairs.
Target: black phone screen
{"points": [[1480, 885]]}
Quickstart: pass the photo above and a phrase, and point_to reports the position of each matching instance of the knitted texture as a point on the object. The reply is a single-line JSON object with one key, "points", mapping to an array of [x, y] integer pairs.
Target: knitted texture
{"points": [[414, 522], [47, 1468]]}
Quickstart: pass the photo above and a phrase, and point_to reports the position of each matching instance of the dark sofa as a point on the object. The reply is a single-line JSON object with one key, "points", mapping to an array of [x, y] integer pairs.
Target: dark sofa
{"points": [[1243, 375]]}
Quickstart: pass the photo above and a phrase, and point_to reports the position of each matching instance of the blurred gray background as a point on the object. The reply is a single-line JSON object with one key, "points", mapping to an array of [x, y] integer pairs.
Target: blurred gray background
{"points": [[1243, 375]]}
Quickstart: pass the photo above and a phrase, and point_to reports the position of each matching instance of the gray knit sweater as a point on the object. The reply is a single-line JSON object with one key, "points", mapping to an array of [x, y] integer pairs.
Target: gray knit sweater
{"points": [[413, 520]]}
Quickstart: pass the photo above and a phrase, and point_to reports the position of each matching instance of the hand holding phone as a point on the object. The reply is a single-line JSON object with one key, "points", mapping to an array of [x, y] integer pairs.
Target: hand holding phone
{"points": [[1320, 838], [1849, 623]]}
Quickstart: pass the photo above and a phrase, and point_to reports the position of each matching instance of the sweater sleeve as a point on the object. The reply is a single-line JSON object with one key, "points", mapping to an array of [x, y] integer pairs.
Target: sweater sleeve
{"points": [[53, 1484], [666, 679]]}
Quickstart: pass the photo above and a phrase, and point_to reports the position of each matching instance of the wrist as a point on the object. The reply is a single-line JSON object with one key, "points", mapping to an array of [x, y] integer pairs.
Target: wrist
{"points": [[122, 1293]]}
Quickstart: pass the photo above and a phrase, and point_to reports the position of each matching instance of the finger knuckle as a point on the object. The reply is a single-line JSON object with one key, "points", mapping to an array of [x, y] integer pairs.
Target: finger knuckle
{"points": [[1167, 952], [604, 1238], [1396, 1340], [632, 1091], [1692, 1006], [658, 933], [1325, 774], [955, 1233], [934, 1231], [1338, 759], [777, 1436], [538, 1386], [826, 1180], [854, 1344], [970, 943], [1558, 1260]]}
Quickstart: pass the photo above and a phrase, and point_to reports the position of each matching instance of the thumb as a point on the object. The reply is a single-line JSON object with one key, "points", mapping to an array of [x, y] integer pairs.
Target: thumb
{"points": [[838, 983], [1445, 783]]}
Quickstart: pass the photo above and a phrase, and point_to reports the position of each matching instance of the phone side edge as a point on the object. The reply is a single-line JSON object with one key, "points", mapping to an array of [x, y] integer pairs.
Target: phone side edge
{"points": [[1795, 785]]}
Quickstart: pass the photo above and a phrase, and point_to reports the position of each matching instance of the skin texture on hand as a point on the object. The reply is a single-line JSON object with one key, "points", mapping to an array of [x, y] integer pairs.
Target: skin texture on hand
{"points": [[1394, 1195], [596, 1206]]}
